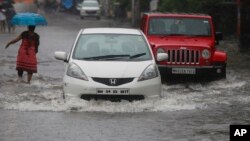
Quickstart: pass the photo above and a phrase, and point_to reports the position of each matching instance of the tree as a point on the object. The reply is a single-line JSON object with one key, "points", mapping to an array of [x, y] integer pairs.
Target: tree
{"points": [[189, 6]]}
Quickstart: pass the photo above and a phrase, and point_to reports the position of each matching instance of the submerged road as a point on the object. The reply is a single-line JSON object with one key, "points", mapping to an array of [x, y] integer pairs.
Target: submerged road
{"points": [[186, 112]]}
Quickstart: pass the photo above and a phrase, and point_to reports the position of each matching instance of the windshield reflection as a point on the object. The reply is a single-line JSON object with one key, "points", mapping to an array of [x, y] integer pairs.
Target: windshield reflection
{"points": [[180, 27], [111, 47]]}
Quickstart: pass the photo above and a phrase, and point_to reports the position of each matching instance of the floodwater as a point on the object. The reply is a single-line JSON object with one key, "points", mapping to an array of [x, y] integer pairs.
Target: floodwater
{"points": [[45, 94], [186, 111]]}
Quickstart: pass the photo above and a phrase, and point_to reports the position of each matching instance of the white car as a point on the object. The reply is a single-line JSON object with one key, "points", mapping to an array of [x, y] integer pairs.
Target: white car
{"points": [[111, 62], [89, 8]]}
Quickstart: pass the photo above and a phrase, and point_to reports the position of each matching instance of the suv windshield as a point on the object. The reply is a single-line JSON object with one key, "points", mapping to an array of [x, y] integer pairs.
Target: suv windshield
{"points": [[121, 47], [179, 26]]}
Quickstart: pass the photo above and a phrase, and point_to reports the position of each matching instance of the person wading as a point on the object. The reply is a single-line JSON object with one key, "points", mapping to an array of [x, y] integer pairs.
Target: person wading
{"points": [[26, 58]]}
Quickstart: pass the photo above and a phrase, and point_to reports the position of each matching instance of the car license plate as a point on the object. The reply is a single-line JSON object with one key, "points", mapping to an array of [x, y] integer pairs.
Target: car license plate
{"points": [[183, 71], [112, 91]]}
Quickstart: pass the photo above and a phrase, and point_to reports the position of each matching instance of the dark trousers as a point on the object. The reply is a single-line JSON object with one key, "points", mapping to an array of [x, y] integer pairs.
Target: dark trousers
{"points": [[20, 73]]}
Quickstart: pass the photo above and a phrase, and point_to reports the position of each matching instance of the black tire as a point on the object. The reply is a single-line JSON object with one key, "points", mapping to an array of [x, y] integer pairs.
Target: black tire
{"points": [[163, 78], [224, 72], [98, 18], [82, 17], [163, 74]]}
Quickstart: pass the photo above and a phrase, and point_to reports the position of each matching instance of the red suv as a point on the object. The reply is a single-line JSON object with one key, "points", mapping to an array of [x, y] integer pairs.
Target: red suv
{"points": [[189, 40]]}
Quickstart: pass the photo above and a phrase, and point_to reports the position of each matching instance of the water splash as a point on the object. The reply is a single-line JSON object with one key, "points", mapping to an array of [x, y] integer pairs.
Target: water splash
{"points": [[45, 94]]}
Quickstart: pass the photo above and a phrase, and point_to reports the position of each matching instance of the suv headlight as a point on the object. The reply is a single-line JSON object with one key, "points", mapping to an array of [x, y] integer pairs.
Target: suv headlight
{"points": [[76, 72], [150, 72], [206, 54]]}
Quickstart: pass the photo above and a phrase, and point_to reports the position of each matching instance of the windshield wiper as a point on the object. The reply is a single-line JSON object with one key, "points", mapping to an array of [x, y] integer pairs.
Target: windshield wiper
{"points": [[187, 35], [137, 55], [113, 57], [106, 57], [198, 35]]}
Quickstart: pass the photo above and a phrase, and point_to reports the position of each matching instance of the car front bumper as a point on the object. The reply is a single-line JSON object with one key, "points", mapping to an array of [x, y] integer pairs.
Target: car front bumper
{"points": [[90, 14], [76, 88]]}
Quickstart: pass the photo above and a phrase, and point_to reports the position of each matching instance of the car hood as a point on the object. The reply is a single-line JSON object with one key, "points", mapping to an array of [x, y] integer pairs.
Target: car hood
{"points": [[182, 41], [117, 69]]}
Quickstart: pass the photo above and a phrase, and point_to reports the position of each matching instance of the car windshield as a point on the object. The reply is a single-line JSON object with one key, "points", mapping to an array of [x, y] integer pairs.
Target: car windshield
{"points": [[120, 47], [180, 26], [90, 4]]}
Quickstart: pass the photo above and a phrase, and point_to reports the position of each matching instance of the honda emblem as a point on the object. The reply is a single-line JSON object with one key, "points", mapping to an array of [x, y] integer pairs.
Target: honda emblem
{"points": [[112, 81]]}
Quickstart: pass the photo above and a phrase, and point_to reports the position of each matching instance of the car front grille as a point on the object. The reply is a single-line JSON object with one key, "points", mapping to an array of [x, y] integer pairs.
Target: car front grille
{"points": [[183, 56], [113, 81], [91, 12]]}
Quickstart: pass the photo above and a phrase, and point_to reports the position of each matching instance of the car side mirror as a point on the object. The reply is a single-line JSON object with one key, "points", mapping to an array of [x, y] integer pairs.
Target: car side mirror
{"points": [[162, 56], [78, 7], [61, 56], [218, 37]]}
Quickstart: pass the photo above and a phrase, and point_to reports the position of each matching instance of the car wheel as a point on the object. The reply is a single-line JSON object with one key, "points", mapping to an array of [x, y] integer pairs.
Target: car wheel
{"points": [[98, 18], [223, 72], [163, 78], [82, 17]]}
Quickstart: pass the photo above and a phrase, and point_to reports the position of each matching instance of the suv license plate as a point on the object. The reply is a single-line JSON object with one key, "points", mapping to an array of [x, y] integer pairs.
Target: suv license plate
{"points": [[112, 91], [183, 71]]}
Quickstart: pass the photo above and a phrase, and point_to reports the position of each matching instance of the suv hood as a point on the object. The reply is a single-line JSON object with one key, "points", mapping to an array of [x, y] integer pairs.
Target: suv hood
{"points": [[206, 42], [113, 69]]}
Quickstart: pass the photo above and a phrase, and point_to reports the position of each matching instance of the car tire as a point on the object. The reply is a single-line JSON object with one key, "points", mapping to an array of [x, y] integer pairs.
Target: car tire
{"points": [[98, 18], [82, 17], [223, 74], [163, 78]]}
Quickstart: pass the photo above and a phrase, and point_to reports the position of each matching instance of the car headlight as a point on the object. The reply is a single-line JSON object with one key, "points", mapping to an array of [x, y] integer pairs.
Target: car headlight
{"points": [[206, 54], [160, 50], [150, 72], [76, 72], [83, 11]]}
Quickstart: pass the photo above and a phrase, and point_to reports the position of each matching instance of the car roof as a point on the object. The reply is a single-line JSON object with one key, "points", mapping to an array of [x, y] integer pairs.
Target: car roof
{"points": [[111, 31], [187, 15]]}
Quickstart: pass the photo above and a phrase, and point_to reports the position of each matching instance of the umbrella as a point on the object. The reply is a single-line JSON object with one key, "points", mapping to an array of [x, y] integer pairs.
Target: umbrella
{"points": [[25, 19]]}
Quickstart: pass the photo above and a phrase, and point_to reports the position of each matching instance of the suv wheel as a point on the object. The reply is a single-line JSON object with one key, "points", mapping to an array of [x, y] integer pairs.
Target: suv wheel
{"points": [[223, 72]]}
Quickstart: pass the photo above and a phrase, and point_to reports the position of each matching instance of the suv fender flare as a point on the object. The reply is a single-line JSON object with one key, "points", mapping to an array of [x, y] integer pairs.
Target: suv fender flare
{"points": [[220, 56]]}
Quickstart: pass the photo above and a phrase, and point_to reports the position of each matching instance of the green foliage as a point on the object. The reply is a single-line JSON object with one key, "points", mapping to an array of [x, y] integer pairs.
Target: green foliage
{"points": [[173, 5], [201, 6], [144, 4], [125, 3]]}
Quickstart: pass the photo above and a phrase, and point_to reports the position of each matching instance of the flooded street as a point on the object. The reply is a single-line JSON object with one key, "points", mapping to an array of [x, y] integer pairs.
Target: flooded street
{"points": [[185, 112]]}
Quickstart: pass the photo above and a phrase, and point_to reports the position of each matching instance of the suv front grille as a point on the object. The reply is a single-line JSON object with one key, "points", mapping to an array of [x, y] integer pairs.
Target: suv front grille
{"points": [[183, 56], [113, 81]]}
